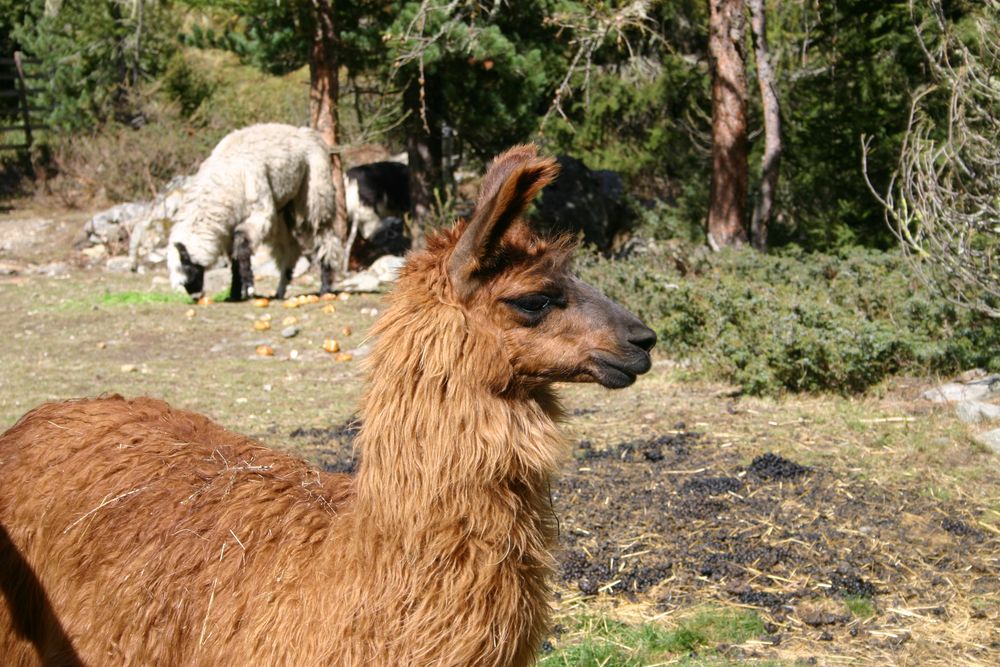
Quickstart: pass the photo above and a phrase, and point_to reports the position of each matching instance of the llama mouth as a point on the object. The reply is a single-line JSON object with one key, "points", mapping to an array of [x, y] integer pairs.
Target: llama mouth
{"points": [[618, 374]]}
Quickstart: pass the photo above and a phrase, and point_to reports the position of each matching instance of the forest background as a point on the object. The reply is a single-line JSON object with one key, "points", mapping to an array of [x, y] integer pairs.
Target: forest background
{"points": [[798, 139]]}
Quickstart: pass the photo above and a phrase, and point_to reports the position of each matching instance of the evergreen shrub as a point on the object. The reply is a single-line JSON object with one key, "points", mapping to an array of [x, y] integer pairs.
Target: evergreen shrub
{"points": [[796, 321]]}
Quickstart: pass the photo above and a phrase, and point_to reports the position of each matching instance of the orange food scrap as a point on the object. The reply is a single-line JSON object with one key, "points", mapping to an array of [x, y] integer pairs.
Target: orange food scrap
{"points": [[344, 356], [261, 325], [331, 346], [265, 351], [261, 302], [329, 309]]}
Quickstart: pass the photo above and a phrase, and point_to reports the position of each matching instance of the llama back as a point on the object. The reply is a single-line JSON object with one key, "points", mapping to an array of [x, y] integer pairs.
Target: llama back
{"points": [[320, 202], [250, 176], [167, 495], [296, 172]]}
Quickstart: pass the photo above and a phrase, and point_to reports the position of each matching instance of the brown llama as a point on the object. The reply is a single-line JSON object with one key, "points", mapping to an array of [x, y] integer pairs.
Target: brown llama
{"points": [[132, 533]]}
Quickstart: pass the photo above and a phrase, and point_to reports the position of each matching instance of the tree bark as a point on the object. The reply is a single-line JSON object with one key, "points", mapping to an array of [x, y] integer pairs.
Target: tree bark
{"points": [[423, 149], [728, 189], [324, 92], [761, 218]]}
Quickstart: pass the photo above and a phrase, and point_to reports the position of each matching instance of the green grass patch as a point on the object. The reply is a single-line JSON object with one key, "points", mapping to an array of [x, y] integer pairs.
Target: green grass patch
{"points": [[605, 642], [135, 298], [131, 298], [860, 606], [116, 299]]}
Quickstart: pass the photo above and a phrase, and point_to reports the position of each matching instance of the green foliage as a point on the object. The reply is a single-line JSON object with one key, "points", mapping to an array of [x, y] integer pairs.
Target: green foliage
{"points": [[122, 163], [141, 298], [610, 643], [851, 77], [643, 107], [860, 607], [186, 84], [797, 322], [486, 72], [646, 129], [276, 37], [237, 95], [97, 56]]}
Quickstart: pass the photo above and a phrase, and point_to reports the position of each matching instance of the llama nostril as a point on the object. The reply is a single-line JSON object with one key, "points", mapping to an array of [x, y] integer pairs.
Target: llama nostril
{"points": [[644, 338]]}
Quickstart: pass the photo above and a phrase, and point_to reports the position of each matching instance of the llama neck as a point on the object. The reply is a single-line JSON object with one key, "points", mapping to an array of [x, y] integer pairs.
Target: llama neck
{"points": [[452, 495], [441, 428]]}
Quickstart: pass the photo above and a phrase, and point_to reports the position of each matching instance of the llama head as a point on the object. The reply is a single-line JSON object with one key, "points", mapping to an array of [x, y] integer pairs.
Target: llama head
{"points": [[509, 281], [187, 257], [183, 271]]}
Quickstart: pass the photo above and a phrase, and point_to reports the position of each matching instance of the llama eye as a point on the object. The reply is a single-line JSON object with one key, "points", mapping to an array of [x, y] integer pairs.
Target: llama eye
{"points": [[532, 303]]}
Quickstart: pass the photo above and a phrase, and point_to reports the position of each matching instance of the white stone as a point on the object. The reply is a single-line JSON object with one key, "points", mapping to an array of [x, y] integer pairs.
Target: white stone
{"points": [[119, 264], [954, 391], [991, 439], [973, 412], [362, 282], [387, 267], [95, 252]]}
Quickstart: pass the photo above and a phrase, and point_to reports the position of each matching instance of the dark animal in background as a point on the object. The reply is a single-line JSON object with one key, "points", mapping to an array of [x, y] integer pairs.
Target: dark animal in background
{"points": [[585, 201], [374, 191], [378, 196]]}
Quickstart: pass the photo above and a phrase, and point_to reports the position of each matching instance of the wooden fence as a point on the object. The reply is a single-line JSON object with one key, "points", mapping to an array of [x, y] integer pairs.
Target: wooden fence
{"points": [[19, 87]]}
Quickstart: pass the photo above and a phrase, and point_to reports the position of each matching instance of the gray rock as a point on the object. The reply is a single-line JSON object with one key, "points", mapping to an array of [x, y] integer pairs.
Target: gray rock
{"points": [[149, 231], [953, 391], [114, 225], [387, 267], [264, 266], [51, 269], [360, 352], [290, 332], [991, 439], [118, 264], [95, 253], [361, 282], [971, 375], [973, 412]]}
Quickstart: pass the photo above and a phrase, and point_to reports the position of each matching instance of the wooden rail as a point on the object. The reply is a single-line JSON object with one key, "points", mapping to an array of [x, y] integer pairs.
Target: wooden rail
{"points": [[12, 70]]}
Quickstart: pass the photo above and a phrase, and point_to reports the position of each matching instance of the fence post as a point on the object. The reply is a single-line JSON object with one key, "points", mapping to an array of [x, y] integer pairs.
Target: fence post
{"points": [[22, 87]]}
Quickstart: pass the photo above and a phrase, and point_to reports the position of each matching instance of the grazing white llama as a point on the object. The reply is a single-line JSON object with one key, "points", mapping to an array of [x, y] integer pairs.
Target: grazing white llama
{"points": [[269, 184]]}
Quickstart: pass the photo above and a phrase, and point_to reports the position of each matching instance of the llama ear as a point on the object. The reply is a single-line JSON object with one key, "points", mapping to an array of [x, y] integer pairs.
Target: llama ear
{"points": [[510, 184], [182, 252]]}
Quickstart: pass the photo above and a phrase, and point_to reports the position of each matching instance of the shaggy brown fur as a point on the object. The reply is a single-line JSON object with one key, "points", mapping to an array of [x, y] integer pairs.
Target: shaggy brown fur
{"points": [[132, 533]]}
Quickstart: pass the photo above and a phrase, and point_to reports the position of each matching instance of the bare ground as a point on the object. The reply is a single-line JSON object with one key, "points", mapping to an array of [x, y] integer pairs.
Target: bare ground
{"points": [[863, 530]]}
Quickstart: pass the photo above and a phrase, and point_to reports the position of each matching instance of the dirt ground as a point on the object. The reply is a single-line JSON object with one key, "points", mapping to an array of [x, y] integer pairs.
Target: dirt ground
{"points": [[863, 530]]}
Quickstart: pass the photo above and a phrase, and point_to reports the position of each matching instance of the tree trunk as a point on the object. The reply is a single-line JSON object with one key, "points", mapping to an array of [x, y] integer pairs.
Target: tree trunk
{"points": [[423, 149], [728, 190], [324, 91], [761, 218]]}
